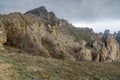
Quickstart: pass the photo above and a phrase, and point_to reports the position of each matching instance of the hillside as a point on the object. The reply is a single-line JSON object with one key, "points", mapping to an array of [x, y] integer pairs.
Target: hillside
{"points": [[42, 33], [37, 45], [19, 65]]}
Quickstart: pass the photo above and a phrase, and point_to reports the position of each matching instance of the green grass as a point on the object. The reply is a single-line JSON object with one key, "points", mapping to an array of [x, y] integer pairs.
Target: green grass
{"points": [[16, 67], [31, 67], [79, 35]]}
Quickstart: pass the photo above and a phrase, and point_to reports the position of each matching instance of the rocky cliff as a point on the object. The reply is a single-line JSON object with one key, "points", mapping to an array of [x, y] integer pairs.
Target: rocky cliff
{"points": [[40, 32], [105, 48]]}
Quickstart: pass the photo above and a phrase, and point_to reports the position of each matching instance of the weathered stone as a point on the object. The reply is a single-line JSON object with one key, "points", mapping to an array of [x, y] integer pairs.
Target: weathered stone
{"points": [[41, 32], [41, 11], [105, 47], [97, 47], [113, 47], [84, 54], [3, 36], [103, 53]]}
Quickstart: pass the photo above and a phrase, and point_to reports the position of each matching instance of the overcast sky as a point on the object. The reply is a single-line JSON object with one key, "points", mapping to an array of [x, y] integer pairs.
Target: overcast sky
{"points": [[96, 14]]}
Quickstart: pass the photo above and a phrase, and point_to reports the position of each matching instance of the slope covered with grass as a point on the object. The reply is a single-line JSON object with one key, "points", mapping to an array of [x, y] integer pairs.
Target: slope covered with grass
{"points": [[17, 65]]}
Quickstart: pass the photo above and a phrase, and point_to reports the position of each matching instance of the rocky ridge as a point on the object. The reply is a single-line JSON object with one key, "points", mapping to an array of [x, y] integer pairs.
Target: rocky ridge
{"points": [[41, 33]]}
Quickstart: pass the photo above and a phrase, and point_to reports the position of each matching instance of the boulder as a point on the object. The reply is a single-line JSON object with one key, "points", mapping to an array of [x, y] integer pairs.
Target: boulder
{"points": [[86, 55]]}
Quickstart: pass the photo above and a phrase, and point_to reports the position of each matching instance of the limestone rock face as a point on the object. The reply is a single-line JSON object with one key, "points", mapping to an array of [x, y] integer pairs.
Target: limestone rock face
{"points": [[105, 47], [3, 37], [23, 33], [41, 11], [104, 53], [85, 55], [41, 32], [112, 47], [55, 35], [37, 35], [96, 47], [52, 17]]}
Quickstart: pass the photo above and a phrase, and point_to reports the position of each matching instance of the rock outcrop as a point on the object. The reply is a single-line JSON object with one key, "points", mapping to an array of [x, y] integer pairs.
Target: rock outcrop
{"points": [[37, 35], [84, 54], [3, 37], [22, 32], [40, 32], [105, 47], [112, 47], [103, 53], [41, 11]]}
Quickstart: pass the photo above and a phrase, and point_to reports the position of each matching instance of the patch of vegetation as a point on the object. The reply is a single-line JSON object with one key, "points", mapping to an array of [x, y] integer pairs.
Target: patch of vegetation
{"points": [[79, 34], [16, 67], [31, 67]]}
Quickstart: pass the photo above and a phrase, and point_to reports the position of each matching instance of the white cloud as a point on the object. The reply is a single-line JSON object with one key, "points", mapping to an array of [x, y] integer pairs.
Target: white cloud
{"points": [[84, 13], [100, 26]]}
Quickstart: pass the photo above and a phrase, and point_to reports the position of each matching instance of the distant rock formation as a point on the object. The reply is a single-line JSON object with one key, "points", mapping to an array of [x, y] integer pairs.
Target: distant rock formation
{"points": [[117, 35], [40, 32], [41, 11], [105, 47]]}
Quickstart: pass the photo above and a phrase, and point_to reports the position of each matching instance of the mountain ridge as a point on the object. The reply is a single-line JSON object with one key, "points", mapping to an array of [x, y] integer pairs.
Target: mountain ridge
{"points": [[36, 47], [42, 33]]}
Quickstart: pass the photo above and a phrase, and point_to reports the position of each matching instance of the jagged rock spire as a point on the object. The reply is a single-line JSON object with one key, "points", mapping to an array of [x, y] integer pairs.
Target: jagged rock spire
{"points": [[41, 11]]}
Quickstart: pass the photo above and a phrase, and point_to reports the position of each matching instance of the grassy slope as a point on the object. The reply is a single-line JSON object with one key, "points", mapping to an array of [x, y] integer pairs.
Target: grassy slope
{"points": [[28, 67]]}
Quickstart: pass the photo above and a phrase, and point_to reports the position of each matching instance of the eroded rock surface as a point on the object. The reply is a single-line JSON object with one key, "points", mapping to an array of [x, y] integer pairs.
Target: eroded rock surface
{"points": [[3, 37], [37, 35], [105, 48], [40, 32]]}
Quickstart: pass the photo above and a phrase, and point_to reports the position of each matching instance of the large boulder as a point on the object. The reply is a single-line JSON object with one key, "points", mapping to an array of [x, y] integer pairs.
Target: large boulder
{"points": [[85, 54]]}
